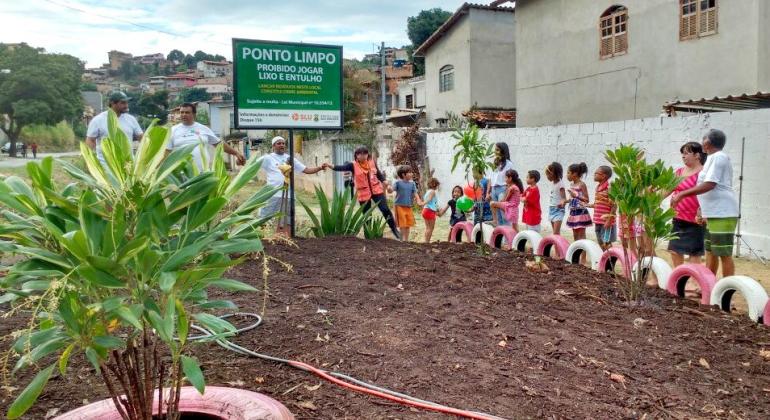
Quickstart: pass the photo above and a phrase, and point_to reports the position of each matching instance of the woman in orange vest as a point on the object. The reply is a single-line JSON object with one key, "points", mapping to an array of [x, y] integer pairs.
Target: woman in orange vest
{"points": [[369, 184]]}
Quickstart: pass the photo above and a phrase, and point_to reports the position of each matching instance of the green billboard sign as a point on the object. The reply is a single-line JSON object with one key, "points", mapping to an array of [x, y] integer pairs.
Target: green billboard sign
{"points": [[287, 85]]}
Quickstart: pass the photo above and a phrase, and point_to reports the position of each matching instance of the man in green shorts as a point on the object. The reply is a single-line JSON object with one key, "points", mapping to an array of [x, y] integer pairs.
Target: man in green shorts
{"points": [[717, 202]]}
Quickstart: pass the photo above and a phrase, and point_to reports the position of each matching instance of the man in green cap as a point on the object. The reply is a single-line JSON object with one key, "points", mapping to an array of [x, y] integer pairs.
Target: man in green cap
{"points": [[97, 128]]}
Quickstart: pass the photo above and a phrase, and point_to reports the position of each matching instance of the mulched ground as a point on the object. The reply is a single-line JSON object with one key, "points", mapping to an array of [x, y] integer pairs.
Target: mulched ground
{"points": [[442, 322]]}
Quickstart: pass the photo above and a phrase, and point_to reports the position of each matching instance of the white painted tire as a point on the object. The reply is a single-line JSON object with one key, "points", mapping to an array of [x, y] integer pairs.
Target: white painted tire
{"points": [[486, 233], [659, 268], [584, 246], [753, 292], [523, 237]]}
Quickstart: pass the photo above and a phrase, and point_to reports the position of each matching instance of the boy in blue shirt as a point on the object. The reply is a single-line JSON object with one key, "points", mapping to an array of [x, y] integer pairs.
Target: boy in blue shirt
{"points": [[406, 196]]}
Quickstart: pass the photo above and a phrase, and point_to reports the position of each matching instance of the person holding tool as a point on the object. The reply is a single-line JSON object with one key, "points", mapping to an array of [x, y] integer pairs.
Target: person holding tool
{"points": [[278, 169]]}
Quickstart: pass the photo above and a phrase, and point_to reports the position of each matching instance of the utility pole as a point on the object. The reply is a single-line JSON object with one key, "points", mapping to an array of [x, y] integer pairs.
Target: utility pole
{"points": [[382, 83]]}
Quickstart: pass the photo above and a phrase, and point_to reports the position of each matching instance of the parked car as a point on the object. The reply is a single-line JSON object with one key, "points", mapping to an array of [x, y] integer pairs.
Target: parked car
{"points": [[6, 148]]}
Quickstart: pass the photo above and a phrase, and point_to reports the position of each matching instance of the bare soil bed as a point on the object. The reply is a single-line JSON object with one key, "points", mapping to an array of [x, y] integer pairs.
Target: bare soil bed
{"points": [[445, 323]]}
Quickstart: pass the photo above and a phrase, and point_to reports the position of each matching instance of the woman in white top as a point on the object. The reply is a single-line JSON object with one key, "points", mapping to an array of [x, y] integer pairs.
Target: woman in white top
{"points": [[496, 186]]}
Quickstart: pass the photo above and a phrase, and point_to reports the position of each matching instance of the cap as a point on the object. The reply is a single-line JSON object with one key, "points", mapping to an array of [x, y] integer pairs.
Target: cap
{"points": [[276, 139], [118, 96]]}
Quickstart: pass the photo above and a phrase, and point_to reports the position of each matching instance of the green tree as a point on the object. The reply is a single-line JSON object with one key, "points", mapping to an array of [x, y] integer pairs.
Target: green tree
{"points": [[150, 106], [203, 117], [39, 88], [128, 70], [175, 55], [419, 28], [195, 95]]}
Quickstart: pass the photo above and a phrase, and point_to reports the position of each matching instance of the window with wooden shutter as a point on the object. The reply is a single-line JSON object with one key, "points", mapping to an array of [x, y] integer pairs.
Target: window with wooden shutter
{"points": [[613, 32], [697, 18]]}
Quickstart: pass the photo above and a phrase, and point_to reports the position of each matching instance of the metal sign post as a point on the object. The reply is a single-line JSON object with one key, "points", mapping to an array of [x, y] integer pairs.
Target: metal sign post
{"points": [[291, 184]]}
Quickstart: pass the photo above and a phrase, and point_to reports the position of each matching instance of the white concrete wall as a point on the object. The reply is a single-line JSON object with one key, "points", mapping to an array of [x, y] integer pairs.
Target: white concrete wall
{"points": [[561, 79], [534, 148]]}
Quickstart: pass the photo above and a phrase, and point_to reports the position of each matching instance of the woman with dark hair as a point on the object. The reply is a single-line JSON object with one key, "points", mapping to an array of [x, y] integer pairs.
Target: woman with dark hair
{"points": [[369, 184], [688, 226], [496, 187]]}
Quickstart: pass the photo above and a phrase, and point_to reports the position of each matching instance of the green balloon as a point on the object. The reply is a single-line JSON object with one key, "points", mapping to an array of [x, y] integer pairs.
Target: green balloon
{"points": [[464, 203]]}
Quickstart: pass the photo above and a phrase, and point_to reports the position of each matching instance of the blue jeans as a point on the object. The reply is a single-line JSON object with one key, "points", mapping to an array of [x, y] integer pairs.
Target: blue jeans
{"points": [[498, 194]]}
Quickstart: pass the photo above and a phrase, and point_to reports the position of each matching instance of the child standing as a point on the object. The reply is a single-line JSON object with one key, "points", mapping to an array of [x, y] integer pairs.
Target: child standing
{"points": [[604, 209], [456, 216], [579, 217], [554, 172], [531, 199], [510, 204], [430, 208], [406, 196]]}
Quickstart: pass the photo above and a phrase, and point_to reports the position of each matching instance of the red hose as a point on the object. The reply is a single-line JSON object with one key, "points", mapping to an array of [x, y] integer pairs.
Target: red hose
{"points": [[447, 410]]}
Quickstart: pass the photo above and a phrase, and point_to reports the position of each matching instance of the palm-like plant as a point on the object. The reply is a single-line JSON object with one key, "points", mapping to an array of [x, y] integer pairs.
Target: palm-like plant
{"points": [[340, 216], [118, 263], [638, 191], [474, 152]]}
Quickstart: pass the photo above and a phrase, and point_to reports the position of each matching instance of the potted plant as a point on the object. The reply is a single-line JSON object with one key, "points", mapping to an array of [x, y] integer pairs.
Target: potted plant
{"points": [[474, 152], [117, 266], [638, 191]]}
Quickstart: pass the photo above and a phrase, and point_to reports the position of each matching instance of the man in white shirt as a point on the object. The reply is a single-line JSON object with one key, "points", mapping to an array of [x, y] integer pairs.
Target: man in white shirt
{"points": [[276, 175], [190, 131], [98, 127], [717, 202]]}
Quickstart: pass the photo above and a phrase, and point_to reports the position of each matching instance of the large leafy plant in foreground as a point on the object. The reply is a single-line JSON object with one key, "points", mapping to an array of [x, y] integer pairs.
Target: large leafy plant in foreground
{"points": [[117, 266]]}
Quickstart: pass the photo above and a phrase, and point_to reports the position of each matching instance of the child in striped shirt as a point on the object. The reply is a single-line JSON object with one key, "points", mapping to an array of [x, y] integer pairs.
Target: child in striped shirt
{"points": [[604, 209]]}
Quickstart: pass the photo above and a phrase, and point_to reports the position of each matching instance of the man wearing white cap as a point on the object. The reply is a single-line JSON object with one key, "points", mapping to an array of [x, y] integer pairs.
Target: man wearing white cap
{"points": [[275, 177]]}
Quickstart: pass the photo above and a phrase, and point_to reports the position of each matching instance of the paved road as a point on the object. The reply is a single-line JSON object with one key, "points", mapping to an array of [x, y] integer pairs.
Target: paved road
{"points": [[18, 162]]}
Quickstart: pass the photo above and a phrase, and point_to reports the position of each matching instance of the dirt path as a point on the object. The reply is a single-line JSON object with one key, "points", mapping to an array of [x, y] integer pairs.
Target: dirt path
{"points": [[479, 332]]}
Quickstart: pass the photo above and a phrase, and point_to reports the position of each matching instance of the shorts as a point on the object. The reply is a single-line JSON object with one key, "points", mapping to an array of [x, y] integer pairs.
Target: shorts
{"points": [[610, 231], [690, 238], [556, 214], [720, 235], [428, 214], [272, 206], [534, 228], [404, 217]]}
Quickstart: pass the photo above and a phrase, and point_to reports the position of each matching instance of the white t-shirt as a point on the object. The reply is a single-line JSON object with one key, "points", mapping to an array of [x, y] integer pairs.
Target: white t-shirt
{"points": [[556, 194], [719, 202], [271, 163], [97, 129], [195, 133], [498, 176]]}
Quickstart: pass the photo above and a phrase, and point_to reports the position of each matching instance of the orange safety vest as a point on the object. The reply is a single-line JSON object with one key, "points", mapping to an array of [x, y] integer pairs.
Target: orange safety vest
{"points": [[366, 183]]}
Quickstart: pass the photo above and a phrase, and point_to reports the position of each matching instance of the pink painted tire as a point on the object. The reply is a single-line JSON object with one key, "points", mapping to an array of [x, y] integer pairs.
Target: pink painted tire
{"points": [[501, 233], [766, 314], [456, 234], [612, 256], [698, 272], [555, 243], [228, 403]]}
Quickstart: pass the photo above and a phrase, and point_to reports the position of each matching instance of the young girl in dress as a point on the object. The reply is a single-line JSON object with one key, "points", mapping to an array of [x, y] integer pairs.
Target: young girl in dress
{"points": [[510, 205], [430, 209], [579, 217]]}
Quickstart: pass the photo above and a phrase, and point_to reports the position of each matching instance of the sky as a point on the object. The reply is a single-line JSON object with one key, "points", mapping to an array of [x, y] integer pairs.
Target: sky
{"points": [[88, 29]]}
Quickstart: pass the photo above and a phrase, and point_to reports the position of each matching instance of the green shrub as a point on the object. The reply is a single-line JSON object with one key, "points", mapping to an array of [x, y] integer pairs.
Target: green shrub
{"points": [[342, 216], [374, 227], [50, 138], [117, 265]]}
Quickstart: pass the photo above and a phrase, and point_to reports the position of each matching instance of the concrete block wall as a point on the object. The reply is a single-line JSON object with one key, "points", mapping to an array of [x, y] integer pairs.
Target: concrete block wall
{"points": [[660, 137]]}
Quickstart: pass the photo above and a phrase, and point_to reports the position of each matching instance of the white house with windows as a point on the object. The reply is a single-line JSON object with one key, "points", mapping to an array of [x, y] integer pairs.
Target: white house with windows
{"points": [[411, 93], [470, 62], [604, 60]]}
